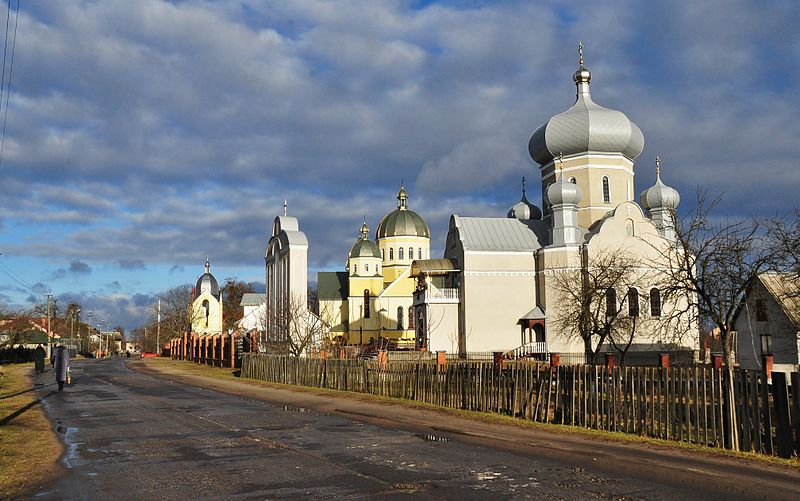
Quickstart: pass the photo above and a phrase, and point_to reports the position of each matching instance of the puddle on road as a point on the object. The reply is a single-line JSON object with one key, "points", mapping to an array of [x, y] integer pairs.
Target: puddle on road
{"points": [[432, 438], [298, 410]]}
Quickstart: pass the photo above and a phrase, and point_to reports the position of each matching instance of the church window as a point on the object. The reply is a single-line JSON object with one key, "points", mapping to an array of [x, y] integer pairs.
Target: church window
{"points": [[206, 310], [606, 190], [633, 302], [411, 318], [400, 317], [366, 268], [382, 257], [572, 180], [355, 269], [655, 302], [761, 310], [366, 303], [611, 302], [629, 227], [410, 253], [391, 254], [400, 253], [419, 254]]}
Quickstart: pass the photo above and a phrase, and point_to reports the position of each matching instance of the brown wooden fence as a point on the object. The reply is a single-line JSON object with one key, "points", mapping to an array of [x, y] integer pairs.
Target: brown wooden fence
{"points": [[702, 405]]}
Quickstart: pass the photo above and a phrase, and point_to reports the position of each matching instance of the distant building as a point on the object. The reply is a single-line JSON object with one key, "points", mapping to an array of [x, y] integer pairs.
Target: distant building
{"points": [[768, 323], [495, 289], [252, 304], [206, 309], [371, 299]]}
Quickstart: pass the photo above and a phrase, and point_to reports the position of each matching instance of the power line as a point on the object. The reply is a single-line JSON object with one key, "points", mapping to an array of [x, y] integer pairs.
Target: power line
{"points": [[5, 52], [10, 71]]}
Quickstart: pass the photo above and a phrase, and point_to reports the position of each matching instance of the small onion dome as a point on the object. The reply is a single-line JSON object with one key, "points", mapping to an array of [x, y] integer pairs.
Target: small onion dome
{"points": [[585, 127], [660, 196], [402, 221], [563, 192], [524, 210], [206, 283]]}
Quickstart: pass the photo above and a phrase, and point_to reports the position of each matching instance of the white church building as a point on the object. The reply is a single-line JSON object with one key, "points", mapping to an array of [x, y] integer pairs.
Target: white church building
{"points": [[497, 287]]}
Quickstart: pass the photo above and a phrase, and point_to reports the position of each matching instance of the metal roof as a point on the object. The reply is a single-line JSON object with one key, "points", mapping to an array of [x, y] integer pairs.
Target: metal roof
{"points": [[432, 266], [786, 291], [332, 285], [535, 314], [402, 222], [500, 234], [252, 299]]}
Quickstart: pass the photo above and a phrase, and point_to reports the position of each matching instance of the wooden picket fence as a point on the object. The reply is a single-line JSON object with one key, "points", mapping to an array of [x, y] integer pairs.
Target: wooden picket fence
{"points": [[700, 405]]}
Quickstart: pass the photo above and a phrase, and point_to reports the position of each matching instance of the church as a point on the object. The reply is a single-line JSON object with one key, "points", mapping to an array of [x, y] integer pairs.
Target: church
{"points": [[206, 308], [502, 283], [370, 301]]}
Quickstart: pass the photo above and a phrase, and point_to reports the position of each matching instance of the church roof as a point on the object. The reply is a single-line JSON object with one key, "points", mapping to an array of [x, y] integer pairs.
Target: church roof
{"points": [[585, 127], [206, 283], [432, 266], [402, 221], [332, 285], [252, 299], [500, 234]]}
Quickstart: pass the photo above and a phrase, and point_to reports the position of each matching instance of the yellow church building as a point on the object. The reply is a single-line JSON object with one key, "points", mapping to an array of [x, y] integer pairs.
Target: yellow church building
{"points": [[370, 302], [206, 308]]}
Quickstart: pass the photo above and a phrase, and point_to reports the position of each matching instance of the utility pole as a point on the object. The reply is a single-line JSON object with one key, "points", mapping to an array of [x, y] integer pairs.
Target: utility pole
{"points": [[49, 332], [158, 334]]}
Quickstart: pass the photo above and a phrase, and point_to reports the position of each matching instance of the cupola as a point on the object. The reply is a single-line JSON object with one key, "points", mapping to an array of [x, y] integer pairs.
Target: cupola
{"points": [[524, 209]]}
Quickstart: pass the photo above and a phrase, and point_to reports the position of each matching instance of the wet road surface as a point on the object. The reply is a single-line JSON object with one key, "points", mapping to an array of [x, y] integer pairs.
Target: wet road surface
{"points": [[132, 435]]}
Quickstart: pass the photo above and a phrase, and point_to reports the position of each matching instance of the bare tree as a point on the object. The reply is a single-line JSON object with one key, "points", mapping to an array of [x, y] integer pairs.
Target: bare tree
{"points": [[713, 264], [599, 302], [177, 313], [290, 327]]}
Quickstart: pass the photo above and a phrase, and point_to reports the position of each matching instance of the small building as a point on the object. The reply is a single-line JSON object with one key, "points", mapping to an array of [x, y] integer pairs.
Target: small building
{"points": [[253, 318], [206, 308], [768, 323]]}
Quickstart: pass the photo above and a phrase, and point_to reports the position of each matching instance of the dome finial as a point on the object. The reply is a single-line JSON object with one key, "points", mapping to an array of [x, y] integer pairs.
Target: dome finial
{"points": [[364, 231], [582, 76], [285, 207], [523, 186], [402, 197], [580, 54], [658, 166], [208, 265]]}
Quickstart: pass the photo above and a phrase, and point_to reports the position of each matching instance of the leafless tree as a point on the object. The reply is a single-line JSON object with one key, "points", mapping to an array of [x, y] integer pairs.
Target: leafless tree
{"points": [[599, 302], [713, 264], [291, 328]]}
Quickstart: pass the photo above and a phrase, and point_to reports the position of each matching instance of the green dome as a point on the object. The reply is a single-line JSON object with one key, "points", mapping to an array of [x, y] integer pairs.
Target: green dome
{"points": [[402, 222], [365, 247]]}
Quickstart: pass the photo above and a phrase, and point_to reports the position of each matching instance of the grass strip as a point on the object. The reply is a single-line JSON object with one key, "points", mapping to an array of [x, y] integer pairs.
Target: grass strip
{"points": [[29, 448]]}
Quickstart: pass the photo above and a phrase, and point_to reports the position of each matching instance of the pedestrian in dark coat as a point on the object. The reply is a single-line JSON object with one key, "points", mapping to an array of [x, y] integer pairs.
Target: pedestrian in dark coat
{"points": [[38, 359], [60, 362]]}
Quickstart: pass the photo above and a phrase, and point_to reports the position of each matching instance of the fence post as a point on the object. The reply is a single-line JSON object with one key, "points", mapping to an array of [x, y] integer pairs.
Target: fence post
{"points": [[555, 360], [611, 361], [441, 361], [796, 409], [383, 360], [768, 364], [663, 361], [780, 397]]}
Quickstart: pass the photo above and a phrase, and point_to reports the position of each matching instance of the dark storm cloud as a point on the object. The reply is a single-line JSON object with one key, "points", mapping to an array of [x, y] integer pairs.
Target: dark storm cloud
{"points": [[153, 132]]}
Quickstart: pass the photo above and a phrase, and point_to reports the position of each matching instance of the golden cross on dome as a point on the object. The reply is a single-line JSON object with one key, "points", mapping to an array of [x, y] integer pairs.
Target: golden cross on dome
{"points": [[580, 53], [658, 166]]}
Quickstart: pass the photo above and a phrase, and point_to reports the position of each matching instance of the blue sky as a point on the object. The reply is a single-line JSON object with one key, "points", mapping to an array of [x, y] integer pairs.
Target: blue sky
{"points": [[143, 136]]}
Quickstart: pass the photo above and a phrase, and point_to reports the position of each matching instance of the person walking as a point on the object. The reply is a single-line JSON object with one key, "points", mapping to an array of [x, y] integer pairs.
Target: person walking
{"points": [[38, 359], [60, 362]]}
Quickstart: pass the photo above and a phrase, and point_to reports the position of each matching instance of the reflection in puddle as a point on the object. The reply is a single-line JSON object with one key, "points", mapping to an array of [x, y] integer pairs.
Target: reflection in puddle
{"points": [[299, 410]]}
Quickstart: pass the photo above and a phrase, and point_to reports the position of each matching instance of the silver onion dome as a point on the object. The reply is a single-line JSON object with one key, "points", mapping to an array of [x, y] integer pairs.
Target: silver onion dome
{"points": [[585, 127], [563, 192], [659, 196], [207, 283], [524, 209]]}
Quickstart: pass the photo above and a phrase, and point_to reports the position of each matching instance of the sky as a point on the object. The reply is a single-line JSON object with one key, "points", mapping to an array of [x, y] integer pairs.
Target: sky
{"points": [[141, 137]]}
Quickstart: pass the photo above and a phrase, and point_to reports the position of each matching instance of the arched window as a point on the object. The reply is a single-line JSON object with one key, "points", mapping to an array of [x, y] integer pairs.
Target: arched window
{"points": [[366, 269], [633, 302], [572, 180], [606, 190], [400, 317], [411, 318], [382, 257], [391, 254], [611, 302], [655, 302], [420, 253], [629, 228], [355, 269], [400, 253], [377, 268], [366, 303], [410, 253]]}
